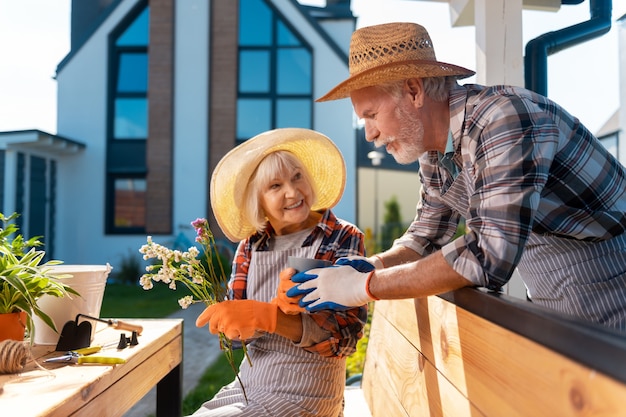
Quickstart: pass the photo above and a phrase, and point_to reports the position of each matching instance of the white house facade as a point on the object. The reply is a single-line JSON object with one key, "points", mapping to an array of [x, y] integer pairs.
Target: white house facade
{"points": [[153, 94]]}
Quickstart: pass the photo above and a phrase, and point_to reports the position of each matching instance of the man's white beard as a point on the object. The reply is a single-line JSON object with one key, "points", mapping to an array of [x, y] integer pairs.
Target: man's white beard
{"points": [[410, 138]]}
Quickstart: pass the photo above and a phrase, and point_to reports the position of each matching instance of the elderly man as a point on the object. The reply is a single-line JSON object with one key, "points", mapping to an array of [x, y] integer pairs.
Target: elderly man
{"points": [[536, 189]]}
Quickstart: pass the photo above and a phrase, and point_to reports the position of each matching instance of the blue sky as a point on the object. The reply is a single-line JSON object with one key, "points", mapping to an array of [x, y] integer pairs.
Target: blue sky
{"points": [[34, 38]]}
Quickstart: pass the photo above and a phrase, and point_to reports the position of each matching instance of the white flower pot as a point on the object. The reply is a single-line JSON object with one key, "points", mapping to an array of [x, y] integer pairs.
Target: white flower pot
{"points": [[89, 281]]}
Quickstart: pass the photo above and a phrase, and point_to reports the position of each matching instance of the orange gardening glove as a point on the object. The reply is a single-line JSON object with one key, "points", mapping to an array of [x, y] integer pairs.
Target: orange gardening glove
{"points": [[239, 319], [288, 305]]}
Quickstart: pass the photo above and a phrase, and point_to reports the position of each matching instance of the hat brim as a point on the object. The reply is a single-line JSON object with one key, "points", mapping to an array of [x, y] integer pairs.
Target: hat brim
{"points": [[394, 72], [319, 155]]}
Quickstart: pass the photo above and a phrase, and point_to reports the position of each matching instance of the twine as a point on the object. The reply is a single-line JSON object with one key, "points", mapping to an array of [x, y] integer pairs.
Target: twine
{"points": [[13, 356]]}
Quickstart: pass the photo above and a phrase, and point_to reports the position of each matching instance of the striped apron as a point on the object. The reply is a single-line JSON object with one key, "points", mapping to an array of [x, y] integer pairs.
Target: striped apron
{"points": [[582, 279], [284, 380]]}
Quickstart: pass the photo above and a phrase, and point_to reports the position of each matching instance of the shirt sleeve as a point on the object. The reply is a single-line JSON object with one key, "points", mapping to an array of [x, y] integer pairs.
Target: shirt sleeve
{"points": [[434, 225], [312, 334], [239, 276], [509, 146], [342, 329]]}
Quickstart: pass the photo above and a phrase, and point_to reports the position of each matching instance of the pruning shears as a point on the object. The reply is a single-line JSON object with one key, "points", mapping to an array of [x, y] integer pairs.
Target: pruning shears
{"points": [[85, 355]]}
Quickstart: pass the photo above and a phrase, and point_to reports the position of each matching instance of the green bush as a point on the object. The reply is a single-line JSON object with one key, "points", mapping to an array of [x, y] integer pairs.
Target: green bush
{"points": [[129, 269]]}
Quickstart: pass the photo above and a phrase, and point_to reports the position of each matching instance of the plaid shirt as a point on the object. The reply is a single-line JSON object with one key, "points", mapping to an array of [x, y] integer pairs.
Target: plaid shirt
{"points": [[340, 239], [526, 166]]}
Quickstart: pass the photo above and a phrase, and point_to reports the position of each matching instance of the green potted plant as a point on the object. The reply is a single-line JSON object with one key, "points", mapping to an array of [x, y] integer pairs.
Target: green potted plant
{"points": [[24, 278]]}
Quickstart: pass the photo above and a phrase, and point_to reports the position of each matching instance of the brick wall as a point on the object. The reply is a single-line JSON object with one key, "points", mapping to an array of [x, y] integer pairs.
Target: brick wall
{"points": [[160, 115], [222, 85]]}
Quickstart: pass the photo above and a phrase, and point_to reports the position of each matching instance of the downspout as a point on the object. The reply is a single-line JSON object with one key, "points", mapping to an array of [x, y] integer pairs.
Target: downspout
{"points": [[538, 49]]}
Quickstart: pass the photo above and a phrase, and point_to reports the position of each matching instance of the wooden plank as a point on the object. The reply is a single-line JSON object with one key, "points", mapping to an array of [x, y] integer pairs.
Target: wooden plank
{"points": [[379, 384], [398, 380], [154, 339], [61, 389], [503, 373], [466, 363], [401, 315], [124, 393]]}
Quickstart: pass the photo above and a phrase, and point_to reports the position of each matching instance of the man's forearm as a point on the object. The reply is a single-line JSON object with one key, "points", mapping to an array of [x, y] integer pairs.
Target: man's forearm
{"points": [[397, 255], [429, 276]]}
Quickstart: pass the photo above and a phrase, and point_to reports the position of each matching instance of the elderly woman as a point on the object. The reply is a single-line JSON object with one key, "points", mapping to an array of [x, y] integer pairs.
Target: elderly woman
{"points": [[273, 193]]}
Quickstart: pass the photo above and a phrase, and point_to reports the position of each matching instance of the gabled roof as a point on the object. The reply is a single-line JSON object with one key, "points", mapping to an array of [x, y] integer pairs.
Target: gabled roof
{"points": [[78, 42], [311, 13]]}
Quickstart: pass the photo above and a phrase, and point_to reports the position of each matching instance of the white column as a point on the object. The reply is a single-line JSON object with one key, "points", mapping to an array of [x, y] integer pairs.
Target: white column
{"points": [[191, 92], [500, 60], [499, 46], [10, 181], [621, 26]]}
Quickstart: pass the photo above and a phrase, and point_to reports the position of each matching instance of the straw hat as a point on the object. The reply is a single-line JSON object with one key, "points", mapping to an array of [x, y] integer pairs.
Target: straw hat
{"points": [[319, 155], [391, 52]]}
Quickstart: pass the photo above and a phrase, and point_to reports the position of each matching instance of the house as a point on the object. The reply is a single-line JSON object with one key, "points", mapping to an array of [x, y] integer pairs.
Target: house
{"points": [[151, 96], [154, 93]]}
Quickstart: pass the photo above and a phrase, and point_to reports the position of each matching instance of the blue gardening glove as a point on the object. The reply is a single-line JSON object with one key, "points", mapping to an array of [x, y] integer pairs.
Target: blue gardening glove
{"points": [[360, 263], [375, 261], [338, 287]]}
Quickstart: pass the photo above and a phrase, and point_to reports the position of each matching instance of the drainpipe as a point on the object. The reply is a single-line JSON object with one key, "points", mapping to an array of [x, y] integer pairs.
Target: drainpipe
{"points": [[538, 49]]}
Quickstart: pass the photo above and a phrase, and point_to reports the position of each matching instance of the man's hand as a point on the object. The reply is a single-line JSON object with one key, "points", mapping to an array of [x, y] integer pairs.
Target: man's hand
{"points": [[338, 287], [239, 319], [288, 305]]}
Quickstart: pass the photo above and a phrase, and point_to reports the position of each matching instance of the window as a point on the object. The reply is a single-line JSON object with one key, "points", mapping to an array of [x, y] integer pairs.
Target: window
{"points": [[130, 198], [128, 124], [275, 73], [131, 118], [130, 56]]}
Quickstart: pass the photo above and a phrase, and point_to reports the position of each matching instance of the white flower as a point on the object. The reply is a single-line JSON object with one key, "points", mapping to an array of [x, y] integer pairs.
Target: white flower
{"points": [[185, 301], [207, 284], [146, 282]]}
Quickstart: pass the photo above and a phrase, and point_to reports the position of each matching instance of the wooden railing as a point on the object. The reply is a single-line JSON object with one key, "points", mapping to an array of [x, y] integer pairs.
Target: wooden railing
{"points": [[473, 353]]}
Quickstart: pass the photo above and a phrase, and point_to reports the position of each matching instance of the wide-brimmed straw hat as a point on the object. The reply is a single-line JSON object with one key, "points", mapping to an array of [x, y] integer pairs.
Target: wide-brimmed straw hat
{"points": [[318, 154], [391, 52]]}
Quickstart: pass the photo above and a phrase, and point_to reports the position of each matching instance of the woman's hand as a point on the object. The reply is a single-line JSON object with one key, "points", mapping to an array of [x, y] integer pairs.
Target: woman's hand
{"points": [[288, 305], [239, 319]]}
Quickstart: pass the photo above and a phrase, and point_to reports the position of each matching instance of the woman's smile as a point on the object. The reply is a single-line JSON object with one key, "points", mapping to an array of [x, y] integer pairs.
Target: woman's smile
{"points": [[298, 204]]}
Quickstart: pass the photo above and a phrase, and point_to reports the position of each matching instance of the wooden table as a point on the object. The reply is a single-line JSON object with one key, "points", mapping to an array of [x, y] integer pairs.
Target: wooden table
{"points": [[90, 390]]}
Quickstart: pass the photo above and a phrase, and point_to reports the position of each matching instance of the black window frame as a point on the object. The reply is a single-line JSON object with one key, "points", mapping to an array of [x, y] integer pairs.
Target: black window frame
{"points": [[273, 96], [125, 157]]}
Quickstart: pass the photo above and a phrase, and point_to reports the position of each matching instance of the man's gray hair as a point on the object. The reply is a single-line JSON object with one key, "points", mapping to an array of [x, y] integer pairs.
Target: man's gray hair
{"points": [[437, 88]]}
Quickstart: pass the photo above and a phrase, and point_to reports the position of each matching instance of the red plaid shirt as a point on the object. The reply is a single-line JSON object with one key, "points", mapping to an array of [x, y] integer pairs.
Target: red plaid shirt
{"points": [[340, 239]]}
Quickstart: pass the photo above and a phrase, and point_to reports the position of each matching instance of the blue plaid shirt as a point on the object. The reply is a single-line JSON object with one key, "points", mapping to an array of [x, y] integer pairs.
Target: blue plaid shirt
{"points": [[526, 166]]}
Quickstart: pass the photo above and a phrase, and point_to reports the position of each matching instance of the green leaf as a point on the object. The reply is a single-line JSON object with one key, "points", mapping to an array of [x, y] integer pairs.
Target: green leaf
{"points": [[24, 279]]}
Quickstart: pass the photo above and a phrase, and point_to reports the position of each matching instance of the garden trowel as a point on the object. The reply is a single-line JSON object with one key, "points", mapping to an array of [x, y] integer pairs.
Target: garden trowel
{"points": [[76, 336]]}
